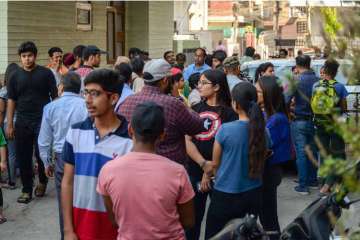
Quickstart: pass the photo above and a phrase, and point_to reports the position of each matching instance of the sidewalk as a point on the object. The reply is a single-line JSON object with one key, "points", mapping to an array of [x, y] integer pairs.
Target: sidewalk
{"points": [[39, 219]]}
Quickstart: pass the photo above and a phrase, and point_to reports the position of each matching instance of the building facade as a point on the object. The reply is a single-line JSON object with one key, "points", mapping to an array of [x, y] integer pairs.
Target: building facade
{"points": [[113, 26]]}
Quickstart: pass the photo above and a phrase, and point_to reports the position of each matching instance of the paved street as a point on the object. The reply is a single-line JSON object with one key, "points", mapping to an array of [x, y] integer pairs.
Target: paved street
{"points": [[38, 220]]}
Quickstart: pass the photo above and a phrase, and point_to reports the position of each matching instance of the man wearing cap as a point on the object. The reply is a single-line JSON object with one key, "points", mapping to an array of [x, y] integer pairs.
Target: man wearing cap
{"points": [[179, 120], [232, 70], [57, 118], [92, 59]]}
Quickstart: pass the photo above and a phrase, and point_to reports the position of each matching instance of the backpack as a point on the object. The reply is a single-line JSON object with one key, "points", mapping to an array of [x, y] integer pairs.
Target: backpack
{"points": [[324, 97]]}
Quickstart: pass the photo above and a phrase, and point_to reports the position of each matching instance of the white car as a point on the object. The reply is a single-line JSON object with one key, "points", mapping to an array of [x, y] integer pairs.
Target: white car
{"points": [[283, 68]]}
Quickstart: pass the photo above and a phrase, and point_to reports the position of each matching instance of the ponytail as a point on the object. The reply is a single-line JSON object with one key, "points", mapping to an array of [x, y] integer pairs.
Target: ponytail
{"points": [[245, 96], [257, 142]]}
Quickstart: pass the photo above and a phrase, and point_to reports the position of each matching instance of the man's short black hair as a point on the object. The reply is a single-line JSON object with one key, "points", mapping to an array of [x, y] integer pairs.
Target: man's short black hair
{"points": [[193, 80], [167, 52], [27, 47], [107, 79], [54, 50], [303, 61], [284, 51], [78, 51], [125, 70], [219, 55], [135, 52], [137, 65], [201, 49], [148, 122], [331, 67], [249, 51], [71, 82], [180, 56]]}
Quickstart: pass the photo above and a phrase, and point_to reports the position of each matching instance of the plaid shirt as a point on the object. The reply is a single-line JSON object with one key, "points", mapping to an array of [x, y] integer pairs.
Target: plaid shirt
{"points": [[180, 121]]}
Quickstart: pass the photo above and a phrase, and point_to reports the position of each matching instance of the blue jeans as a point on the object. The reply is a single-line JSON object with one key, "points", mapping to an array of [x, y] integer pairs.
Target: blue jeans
{"points": [[302, 133]]}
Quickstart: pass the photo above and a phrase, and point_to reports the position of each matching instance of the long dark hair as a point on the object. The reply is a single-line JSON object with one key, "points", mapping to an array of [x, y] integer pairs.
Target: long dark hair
{"points": [[245, 96], [274, 100], [219, 77], [262, 68]]}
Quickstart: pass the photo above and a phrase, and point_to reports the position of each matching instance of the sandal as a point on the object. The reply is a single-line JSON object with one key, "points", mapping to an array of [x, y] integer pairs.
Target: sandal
{"points": [[40, 190], [24, 198], [3, 220]]}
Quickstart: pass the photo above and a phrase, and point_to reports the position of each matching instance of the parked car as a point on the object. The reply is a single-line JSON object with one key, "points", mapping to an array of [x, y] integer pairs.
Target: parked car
{"points": [[283, 68]]}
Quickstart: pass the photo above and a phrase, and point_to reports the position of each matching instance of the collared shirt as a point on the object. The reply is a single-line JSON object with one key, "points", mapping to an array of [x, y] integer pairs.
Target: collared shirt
{"points": [[31, 90], [58, 116], [88, 153], [232, 81], [191, 69], [83, 71], [180, 121], [126, 91]]}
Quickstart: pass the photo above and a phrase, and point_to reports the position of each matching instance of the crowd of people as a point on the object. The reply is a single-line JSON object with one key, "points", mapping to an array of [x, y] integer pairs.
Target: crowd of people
{"points": [[137, 150]]}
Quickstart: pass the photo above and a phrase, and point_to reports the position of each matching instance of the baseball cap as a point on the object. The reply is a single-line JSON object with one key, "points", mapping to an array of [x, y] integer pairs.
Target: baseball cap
{"points": [[231, 61], [156, 69], [148, 120], [92, 50]]}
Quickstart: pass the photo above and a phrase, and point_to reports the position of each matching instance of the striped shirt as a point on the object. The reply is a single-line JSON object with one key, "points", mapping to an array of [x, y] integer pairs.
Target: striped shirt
{"points": [[88, 152]]}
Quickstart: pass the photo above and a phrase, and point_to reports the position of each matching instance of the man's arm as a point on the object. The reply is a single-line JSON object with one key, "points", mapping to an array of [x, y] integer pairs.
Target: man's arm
{"points": [[186, 213], [109, 208], [45, 140], [52, 86], [196, 156], [2, 111], [189, 121], [10, 133], [67, 187]]}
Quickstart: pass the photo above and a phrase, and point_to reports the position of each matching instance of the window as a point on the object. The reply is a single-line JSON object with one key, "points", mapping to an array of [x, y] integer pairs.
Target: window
{"points": [[301, 27], [111, 36], [83, 17]]}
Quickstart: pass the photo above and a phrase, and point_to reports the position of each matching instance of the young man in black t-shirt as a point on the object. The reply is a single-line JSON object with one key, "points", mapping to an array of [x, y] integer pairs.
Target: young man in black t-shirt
{"points": [[30, 88]]}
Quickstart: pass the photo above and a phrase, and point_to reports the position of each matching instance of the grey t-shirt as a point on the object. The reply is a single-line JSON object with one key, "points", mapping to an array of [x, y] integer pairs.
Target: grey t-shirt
{"points": [[4, 95]]}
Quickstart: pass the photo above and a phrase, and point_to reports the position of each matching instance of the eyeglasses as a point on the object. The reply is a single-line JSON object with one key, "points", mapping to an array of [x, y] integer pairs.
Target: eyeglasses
{"points": [[94, 93], [203, 83]]}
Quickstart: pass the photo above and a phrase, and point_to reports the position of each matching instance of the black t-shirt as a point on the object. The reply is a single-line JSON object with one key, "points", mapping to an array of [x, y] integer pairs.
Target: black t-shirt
{"points": [[31, 90], [213, 118]]}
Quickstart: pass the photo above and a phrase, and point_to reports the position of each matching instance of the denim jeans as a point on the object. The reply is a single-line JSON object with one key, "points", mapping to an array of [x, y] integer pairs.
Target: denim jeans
{"points": [[302, 133]]}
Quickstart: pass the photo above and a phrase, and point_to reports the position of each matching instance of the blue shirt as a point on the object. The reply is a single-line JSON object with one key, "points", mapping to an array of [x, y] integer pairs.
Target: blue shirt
{"points": [[303, 93], [191, 69], [232, 81], [279, 129], [127, 91], [233, 173], [57, 118]]}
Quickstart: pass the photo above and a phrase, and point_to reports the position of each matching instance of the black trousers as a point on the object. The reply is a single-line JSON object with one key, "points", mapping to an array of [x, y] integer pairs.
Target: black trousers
{"points": [[333, 144], [1, 199], [26, 138], [268, 215], [199, 206], [227, 206]]}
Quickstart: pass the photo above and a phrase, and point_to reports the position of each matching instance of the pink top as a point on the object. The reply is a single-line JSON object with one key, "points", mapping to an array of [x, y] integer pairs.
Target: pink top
{"points": [[145, 190]]}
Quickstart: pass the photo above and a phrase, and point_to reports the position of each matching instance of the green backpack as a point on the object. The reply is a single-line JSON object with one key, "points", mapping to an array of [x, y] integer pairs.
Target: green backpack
{"points": [[324, 98]]}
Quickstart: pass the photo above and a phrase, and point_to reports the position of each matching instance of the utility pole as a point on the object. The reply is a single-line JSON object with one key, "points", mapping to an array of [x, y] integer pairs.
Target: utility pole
{"points": [[276, 26]]}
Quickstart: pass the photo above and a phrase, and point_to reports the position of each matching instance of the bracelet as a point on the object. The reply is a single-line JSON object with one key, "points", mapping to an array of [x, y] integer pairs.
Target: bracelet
{"points": [[203, 164]]}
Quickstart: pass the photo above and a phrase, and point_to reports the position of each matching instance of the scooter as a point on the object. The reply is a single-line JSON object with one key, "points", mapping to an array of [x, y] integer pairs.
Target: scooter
{"points": [[316, 222]]}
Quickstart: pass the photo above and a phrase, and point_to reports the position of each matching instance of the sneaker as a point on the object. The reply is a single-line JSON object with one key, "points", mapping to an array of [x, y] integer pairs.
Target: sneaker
{"points": [[302, 190], [314, 185]]}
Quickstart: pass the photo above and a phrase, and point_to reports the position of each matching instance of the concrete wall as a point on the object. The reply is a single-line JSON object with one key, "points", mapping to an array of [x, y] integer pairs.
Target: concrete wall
{"points": [[161, 28], [149, 26], [52, 24], [136, 25], [3, 37]]}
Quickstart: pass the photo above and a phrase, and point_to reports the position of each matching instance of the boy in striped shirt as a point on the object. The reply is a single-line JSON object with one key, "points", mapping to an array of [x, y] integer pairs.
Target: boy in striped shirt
{"points": [[88, 146]]}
